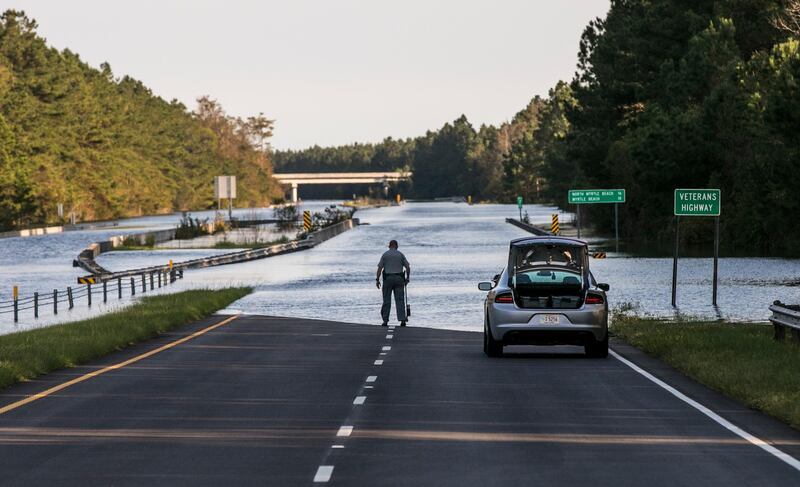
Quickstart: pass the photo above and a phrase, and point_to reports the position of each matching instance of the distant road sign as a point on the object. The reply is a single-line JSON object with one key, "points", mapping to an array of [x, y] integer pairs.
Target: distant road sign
{"points": [[224, 187], [697, 202], [519, 202], [589, 196]]}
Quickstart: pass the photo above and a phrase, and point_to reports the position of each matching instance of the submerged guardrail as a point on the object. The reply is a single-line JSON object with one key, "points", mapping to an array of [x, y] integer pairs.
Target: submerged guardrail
{"points": [[90, 292]]}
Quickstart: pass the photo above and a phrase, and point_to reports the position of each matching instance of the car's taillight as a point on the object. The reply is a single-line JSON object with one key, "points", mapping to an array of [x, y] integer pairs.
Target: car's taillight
{"points": [[504, 298], [594, 299]]}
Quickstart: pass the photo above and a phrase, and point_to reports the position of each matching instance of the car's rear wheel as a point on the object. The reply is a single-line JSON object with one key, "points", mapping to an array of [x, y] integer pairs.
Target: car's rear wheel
{"points": [[597, 349], [491, 347]]}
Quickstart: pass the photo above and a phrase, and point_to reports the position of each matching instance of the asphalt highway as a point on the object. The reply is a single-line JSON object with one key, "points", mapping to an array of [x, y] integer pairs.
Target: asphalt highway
{"points": [[280, 401]]}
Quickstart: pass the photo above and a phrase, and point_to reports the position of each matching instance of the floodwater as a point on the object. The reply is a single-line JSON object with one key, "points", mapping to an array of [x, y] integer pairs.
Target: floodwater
{"points": [[451, 247]]}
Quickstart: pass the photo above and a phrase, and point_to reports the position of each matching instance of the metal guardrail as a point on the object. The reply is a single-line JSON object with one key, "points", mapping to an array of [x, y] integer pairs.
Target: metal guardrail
{"points": [[105, 291], [785, 318]]}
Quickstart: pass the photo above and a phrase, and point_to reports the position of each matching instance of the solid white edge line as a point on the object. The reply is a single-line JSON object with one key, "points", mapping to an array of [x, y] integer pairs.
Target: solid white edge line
{"points": [[344, 431], [372, 378], [359, 400], [324, 473], [785, 457]]}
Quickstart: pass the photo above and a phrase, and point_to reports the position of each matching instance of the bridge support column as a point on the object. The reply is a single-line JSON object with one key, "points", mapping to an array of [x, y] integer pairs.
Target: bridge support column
{"points": [[294, 192]]}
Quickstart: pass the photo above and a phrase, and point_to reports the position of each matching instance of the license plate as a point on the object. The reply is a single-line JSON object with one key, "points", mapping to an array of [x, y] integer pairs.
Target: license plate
{"points": [[549, 319]]}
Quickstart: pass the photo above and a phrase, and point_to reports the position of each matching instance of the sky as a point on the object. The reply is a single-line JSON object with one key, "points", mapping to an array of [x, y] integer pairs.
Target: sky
{"points": [[332, 72]]}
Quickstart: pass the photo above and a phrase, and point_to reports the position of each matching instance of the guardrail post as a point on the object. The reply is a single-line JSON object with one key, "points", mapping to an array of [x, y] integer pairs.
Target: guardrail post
{"points": [[105, 292], [119, 288], [16, 310], [172, 276], [55, 301], [69, 298], [36, 305], [89, 294], [133, 287], [144, 283], [151, 281], [180, 273]]}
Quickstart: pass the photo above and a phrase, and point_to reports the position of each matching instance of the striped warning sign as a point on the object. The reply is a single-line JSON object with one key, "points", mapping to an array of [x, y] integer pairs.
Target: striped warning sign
{"points": [[599, 255], [306, 220], [86, 280], [554, 228]]}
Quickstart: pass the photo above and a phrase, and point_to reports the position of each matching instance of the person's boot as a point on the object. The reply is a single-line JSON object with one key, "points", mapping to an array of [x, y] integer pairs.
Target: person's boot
{"points": [[402, 323], [385, 324]]}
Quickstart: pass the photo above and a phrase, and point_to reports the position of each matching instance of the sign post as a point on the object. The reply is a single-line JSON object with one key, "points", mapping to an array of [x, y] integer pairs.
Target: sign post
{"points": [[225, 188], [697, 202], [519, 205], [580, 197]]}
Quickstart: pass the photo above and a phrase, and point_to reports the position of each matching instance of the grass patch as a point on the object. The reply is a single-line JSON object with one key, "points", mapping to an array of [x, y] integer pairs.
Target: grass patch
{"points": [[739, 360], [137, 247], [27, 354]]}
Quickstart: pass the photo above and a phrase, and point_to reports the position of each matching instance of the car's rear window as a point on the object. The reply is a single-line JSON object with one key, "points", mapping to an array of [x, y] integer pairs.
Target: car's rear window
{"points": [[570, 257], [548, 277]]}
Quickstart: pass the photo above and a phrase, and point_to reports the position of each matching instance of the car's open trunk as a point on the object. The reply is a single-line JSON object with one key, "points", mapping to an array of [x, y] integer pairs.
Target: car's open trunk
{"points": [[549, 276]]}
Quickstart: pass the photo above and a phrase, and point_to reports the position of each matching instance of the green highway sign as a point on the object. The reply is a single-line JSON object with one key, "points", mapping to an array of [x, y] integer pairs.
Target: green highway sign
{"points": [[697, 202], [519, 201], [589, 196]]}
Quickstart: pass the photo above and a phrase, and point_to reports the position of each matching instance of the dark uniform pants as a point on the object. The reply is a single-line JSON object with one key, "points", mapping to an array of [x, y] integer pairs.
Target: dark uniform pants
{"points": [[393, 284]]}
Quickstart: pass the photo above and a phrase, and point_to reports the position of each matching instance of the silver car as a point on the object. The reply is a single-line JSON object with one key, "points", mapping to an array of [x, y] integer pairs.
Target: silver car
{"points": [[546, 296]]}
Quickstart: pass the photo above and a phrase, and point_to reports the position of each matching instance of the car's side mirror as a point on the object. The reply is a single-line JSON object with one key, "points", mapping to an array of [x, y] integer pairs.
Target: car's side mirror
{"points": [[603, 286], [485, 286]]}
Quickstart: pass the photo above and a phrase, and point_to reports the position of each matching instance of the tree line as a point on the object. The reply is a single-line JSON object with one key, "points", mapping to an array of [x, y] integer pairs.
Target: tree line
{"points": [[667, 94], [106, 146]]}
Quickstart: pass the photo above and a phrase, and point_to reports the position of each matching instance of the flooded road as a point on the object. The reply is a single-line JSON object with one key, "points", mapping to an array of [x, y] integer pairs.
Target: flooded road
{"points": [[451, 248]]}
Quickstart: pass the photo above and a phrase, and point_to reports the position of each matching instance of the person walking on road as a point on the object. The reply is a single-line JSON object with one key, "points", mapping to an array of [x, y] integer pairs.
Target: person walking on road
{"points": [[392, 265]]}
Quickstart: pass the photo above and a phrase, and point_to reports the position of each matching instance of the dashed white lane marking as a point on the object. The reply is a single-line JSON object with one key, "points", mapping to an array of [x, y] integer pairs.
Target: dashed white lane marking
{"points": [[324, 473], [379, 362], [389, 337], [344, 431], [337, 446], [383, 353], [386, 348], [359, 400], [368, 387], [372, 378], [786, 458]]}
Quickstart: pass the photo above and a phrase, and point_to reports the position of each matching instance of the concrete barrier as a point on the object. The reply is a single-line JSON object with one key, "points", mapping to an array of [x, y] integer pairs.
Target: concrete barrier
{"points": [[86, 258], [527, 227]]}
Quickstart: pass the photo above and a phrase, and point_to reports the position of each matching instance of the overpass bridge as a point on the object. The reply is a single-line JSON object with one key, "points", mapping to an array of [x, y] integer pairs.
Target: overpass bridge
{"points": [[296, 179]]}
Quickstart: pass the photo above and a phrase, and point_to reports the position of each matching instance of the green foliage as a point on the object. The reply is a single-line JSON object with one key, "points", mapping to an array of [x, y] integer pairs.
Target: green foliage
{"points": [[287, 216], [106, 147], [690, 94], [31, 353], [189, 228]]}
